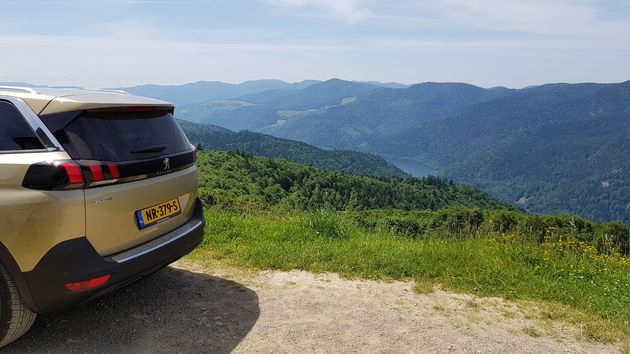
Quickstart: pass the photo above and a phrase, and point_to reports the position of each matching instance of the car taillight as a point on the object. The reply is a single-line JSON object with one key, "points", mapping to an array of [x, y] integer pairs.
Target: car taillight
{"points": [[54, 175], [69, 174]]}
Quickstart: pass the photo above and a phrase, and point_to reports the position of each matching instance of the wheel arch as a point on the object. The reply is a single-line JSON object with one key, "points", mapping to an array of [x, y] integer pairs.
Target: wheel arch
{"points": [[11, 265]]}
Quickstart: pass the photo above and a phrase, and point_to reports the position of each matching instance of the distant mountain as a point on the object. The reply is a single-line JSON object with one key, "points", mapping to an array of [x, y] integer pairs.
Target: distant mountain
{"points": [[322, 94], [394, 85], [216, 138], [551, 148], [267, 108], [204, 91], [381, 113]]}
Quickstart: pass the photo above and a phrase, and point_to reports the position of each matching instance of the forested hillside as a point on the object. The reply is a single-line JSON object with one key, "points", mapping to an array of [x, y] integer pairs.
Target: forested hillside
{"points": [[216, 138], [242, 180], [551, 148], [555, 148]]}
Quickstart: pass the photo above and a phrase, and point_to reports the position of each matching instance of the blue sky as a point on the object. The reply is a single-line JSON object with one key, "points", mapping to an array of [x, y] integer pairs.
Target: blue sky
{"points": [[512, 43]]}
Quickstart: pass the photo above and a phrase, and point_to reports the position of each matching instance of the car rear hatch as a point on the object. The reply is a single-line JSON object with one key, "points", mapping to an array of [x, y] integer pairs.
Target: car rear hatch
{"points": [[138, 168]]}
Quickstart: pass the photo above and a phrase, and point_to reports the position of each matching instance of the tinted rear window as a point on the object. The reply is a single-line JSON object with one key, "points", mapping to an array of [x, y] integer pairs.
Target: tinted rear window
{"points": [[15, 133], [121, 136]]}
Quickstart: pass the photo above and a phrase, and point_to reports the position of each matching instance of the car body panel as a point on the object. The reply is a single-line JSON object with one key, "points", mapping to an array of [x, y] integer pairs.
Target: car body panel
{"points": [[34, 221], [37, 101], [111, 225], [79, 261]]}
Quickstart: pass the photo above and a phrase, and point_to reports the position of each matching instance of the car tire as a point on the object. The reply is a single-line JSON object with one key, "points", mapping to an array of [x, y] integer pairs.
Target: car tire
{"points": [[15, 317]]}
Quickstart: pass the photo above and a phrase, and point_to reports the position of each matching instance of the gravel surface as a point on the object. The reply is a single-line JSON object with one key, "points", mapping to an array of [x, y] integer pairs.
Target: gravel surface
{"points": [[187, 309]]}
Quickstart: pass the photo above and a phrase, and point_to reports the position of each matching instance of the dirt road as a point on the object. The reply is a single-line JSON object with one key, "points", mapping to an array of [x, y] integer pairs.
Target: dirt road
{"points": [[186, 309]]}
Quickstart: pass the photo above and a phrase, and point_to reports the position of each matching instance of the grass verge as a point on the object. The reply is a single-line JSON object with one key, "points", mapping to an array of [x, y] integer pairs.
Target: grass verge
{"points": [[591, 292]]}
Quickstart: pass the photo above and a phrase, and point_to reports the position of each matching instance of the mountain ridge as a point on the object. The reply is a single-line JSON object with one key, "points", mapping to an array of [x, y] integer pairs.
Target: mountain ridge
{"points": [[554, 148]]}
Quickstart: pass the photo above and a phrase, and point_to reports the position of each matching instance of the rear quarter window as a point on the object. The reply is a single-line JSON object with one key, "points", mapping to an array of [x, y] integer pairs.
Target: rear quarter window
{"points": [[15, 133]]}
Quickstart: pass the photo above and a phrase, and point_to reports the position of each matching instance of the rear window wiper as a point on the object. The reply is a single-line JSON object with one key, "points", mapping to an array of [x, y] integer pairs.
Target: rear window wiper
{"points": [[154, 148]]}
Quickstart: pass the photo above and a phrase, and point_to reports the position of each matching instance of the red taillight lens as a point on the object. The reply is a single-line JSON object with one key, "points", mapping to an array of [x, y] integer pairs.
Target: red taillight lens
{"points": [[73, 170], [113, 170], [88, 284], [101, 171], [97, 171]]}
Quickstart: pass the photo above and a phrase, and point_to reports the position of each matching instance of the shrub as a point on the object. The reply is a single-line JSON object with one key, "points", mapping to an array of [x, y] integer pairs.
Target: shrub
{"points": [[405, 227], [504, 221], [613, 237], [328, 224], [460, 220], [534, 228]]}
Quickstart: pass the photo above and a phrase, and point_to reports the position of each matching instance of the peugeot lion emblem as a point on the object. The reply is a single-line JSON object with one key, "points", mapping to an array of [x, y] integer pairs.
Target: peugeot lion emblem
{"points": [[167, 164]]}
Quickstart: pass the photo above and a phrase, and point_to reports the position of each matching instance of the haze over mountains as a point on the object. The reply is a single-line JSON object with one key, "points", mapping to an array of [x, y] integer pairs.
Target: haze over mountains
{"points": [[550, 148], [214, 90]]}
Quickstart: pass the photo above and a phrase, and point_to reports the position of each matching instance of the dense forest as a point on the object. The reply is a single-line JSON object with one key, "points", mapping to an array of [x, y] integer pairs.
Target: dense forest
{"points": [[554, 148], [242, 180], [215, 138]]}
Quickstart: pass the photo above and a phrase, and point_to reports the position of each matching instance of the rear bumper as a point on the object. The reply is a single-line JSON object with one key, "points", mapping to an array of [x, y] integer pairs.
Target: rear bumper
{"points": [[76, 260]]}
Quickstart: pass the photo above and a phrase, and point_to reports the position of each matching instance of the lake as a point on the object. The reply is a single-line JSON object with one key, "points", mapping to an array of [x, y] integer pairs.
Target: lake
{"points": [[414, 168]]}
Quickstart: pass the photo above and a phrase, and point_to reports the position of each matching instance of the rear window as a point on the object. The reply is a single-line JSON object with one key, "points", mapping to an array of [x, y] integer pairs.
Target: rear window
{"points": [[15, 133], [119, 136]]}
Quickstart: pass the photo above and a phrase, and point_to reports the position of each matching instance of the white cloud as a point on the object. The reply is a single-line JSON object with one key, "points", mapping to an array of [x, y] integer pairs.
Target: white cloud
{"points": [[349, 11], [531, 16]]}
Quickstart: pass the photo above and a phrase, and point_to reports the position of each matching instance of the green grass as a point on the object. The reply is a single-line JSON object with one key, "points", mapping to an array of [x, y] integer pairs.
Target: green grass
{"points": [[596, 289]]}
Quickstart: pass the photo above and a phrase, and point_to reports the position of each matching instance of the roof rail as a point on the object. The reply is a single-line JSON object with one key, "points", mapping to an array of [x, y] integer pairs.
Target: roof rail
{"points": [[104, 90], [109, 90], [18, 88]]}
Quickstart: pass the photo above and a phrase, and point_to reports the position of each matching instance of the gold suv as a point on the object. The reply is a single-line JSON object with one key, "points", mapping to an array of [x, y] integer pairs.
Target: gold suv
{"points": [[98, 189]]}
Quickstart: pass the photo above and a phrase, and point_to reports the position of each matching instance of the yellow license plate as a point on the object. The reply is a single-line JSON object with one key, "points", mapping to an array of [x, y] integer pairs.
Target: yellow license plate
{"points": [[157, 213]]}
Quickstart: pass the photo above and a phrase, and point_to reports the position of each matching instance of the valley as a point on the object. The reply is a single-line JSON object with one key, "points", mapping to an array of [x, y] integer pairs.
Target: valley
{"points": [[556, 148], [411, 167]]}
